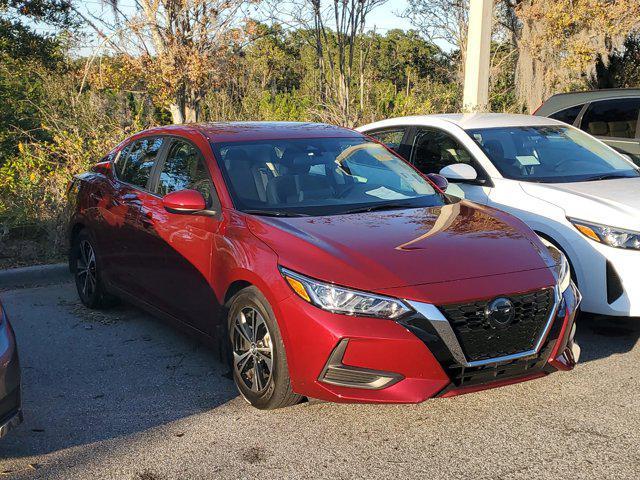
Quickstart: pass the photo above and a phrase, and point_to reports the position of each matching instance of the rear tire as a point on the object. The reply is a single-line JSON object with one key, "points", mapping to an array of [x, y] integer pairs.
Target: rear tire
{"points": [[258, 358], [87, 273]]}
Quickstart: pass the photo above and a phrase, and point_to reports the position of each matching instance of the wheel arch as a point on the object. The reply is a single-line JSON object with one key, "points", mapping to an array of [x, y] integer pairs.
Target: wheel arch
{"points": [[234, 288], [559, 246], [74, 231]]}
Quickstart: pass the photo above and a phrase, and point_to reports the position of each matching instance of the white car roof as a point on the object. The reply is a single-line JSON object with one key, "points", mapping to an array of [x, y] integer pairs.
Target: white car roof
{"points": [[468, 120]]}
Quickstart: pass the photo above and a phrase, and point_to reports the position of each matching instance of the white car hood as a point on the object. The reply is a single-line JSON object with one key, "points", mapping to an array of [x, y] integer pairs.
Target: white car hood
{"points": [[614, 202]]}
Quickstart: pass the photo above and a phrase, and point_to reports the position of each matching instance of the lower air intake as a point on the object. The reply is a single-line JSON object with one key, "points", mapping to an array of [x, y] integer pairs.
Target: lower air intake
{"points": [[336, 373]]}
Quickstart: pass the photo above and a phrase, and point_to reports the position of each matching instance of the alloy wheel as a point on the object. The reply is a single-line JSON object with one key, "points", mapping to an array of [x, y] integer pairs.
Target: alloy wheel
{"points": [[86, 269], [252, 350]]}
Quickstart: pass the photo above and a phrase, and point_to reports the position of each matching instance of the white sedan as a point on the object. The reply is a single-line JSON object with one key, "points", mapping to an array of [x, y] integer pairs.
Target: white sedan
{"points": [[571, 188]]}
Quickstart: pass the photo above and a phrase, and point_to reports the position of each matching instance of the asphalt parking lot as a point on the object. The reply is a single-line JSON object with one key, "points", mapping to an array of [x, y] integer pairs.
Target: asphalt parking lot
{"points": [[120, 395]]}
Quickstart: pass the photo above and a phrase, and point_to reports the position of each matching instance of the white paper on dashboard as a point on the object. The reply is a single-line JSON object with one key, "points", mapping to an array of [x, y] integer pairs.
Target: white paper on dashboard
{"points": [[527, 160], [386, 194]]}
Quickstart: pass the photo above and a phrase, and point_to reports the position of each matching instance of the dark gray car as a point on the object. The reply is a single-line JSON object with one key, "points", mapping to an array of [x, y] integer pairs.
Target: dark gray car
{"points": [[610, 115], [10, 401]]}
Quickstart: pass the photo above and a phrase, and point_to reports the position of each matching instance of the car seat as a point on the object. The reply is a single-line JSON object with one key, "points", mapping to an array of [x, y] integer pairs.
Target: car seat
{"points": [[297, 185]]}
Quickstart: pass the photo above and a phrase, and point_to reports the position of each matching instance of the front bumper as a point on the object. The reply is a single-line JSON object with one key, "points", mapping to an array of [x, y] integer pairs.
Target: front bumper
{"points": [[10, 394], [618, 292], [347, 359]]}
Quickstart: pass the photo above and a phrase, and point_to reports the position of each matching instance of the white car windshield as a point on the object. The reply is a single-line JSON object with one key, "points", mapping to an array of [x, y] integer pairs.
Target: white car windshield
{"points": [[553, 154], [320, 176]]}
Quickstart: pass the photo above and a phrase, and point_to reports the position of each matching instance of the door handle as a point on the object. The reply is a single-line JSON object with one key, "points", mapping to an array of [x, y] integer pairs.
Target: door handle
{"points": [[147, 218], [96, 195]]}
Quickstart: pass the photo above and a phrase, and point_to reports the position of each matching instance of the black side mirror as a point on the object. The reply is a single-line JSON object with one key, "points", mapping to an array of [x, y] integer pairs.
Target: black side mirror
{"points": [[439, 181]]}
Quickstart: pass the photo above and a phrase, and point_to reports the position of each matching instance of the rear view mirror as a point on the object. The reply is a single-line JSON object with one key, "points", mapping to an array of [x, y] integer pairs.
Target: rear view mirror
{"points": [[459, 171], [184, 202], [440, 182]]}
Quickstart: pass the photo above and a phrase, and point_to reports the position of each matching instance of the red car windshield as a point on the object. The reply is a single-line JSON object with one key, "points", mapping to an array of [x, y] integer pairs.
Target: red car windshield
{"points": [[320, 176]]}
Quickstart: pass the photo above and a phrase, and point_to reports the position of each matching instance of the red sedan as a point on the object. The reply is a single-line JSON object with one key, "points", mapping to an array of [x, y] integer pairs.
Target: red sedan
{"points": [[325, 264]]}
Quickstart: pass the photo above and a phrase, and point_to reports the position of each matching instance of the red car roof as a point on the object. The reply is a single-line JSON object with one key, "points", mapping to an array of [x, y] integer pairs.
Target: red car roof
{"points": [[248, 131]]}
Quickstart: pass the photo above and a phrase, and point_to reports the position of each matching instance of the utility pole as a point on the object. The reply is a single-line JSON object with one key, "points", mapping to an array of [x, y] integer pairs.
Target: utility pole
{"points": [[478, 56]]}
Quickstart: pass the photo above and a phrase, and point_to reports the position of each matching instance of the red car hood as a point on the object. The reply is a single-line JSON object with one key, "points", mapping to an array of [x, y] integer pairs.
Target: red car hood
{"points": [[390, 249]]}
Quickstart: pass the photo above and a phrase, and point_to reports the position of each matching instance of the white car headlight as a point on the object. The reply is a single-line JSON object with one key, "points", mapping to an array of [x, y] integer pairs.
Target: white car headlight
{"points": [[612, 236], [563, 272], [342, 300], [561, 267]]}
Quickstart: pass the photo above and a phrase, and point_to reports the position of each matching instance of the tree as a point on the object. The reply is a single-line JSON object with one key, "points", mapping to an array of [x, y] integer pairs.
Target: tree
{"points": [[179, 46], [342, 51], [561, 42], [26, 55], [447, 21], [441, 20], [621, 69]]}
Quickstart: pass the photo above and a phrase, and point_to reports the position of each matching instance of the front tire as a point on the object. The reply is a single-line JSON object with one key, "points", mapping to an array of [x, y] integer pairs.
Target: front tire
{"points": [[87, 273], [259, 362]]}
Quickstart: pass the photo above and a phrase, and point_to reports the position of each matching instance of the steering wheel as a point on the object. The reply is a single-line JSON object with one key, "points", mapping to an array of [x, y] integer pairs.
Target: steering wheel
{"points": [[562, 163], [346, 191]]}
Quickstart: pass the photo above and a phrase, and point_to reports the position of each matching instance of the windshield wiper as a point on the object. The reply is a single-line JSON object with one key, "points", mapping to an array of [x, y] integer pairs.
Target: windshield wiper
{"points": [[606, 176], [381, 206], [274, 213]]}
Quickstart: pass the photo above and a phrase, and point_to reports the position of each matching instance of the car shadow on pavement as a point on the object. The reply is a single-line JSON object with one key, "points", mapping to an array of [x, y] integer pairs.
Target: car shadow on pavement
{"points": [[91, 376], [600, 337]]}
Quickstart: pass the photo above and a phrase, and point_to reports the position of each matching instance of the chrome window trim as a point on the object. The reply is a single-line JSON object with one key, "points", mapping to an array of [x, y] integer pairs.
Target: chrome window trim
{"points": [[448, 336]]}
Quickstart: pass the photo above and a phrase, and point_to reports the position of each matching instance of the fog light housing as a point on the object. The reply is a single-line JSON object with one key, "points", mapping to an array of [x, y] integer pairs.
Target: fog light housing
{"points": [[337, 373]]}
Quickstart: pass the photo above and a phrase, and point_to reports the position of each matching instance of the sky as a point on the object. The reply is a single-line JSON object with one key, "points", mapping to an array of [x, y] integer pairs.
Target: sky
{"points": [[384, 18]]}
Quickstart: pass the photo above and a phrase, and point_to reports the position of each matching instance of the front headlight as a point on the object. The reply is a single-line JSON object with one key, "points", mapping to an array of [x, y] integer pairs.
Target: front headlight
{"points": [[561, 267], [614, 237], [343, 300], [563, 273]]}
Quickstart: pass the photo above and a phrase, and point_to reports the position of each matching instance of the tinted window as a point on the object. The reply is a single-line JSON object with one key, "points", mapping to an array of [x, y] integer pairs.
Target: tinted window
{"points": [[550, 154], [434, 149], [612, 118], [568, 115], [184, 169], [321, 176], [136, 161], [391, 138]]}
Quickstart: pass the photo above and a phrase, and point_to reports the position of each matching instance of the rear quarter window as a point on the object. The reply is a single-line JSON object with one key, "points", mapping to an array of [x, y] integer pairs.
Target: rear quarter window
{"points": [[391, 138], [568, 115]]}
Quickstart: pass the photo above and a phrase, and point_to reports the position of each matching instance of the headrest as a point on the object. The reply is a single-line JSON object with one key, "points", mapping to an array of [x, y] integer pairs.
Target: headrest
{"points": [[598, 128], [619, 129], [494, 147], [297, 162], [236, 155]]}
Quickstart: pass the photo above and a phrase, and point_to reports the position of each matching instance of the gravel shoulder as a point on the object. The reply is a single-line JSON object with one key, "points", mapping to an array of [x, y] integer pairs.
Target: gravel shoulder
{"points": [[120, 395]]}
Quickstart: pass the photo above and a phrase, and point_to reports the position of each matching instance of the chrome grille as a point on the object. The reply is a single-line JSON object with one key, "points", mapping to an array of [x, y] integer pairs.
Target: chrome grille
{"points": [[480, 340]]}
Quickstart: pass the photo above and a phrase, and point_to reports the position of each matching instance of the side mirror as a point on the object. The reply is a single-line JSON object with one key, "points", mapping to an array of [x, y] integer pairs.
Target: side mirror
{"points": [[459, 171], [184, 202], [440, 182]]}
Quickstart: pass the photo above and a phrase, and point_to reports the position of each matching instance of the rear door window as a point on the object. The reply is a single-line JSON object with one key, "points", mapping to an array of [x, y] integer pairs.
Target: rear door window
{"points": [[612, 118], [391, 138], [135, 162], [568, 115]]}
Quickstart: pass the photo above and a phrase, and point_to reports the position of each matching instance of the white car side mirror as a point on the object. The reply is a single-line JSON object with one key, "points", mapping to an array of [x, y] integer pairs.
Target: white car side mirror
{"points": [[459, 171]]}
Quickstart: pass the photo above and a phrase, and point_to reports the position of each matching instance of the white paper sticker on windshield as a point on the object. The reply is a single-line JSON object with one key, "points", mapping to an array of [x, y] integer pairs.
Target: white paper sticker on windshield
{"points": [[527, 160], [385, 193]]}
